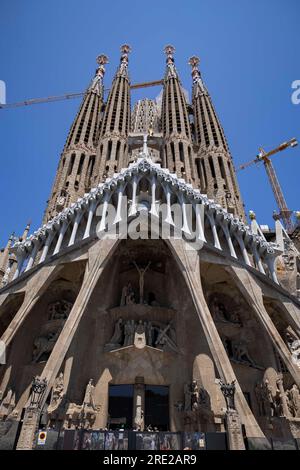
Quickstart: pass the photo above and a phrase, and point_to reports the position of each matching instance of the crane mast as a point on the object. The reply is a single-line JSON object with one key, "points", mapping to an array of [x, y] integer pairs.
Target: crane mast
{"points": [[284, 212]]}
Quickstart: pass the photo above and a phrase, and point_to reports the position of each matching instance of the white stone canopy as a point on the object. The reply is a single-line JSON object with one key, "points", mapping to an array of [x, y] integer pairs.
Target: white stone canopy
{"points": [[217, 228]]}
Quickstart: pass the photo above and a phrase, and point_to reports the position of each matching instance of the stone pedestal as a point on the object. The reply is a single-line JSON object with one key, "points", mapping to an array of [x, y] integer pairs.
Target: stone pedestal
{"points": [[139, 403], [29, 428], [234, 430]]}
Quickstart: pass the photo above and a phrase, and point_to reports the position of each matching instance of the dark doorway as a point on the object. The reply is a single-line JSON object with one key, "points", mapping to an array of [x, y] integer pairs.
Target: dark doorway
{"points": [[120, 406], [157, 407]]}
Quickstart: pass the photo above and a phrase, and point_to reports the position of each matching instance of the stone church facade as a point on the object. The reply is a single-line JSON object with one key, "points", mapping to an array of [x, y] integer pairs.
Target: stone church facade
{"points": [[145, 287]]}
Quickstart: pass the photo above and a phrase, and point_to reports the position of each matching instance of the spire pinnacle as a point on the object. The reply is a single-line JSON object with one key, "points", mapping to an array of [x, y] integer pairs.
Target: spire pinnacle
{"points": [[171, 70], [97, 82], [194, 62], [169, 51], [125, 50]]}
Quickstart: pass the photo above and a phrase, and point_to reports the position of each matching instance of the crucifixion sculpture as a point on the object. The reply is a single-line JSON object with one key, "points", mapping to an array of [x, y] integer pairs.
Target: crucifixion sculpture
{"points": [[141, 272]]}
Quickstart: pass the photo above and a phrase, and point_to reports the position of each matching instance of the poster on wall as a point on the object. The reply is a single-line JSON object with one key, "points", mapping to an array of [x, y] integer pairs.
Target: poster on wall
{"points": [[194, 441], [93, 440], [169, 441], [146, 441], [116, 440]]}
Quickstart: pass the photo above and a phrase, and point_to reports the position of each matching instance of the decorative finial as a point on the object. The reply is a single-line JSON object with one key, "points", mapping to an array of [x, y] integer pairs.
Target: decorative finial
{"points": [[194, 62], [169, 51], [252, 215], [102, 59], [125, 50]]}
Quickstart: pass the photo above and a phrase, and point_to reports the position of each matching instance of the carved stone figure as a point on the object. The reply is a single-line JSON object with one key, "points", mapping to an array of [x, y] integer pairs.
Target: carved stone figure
{"points": [[116, 340], [294, 401], [59, 310], [127, 297], [228, 390], [270, 403], [44, 345], [165, 341], [57, 392], [241, 353], [142, 333], [89, 395], [129, 329]]}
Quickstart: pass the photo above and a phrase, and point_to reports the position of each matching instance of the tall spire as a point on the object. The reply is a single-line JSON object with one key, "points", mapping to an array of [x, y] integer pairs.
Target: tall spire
{"points": [[214, 167], [74, 175], [5, 258], [112, 152], [175, 123]]}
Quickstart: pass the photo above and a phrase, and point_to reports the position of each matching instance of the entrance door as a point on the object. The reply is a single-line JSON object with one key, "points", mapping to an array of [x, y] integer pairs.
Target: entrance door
{"points": [[157, 406], [120, 406]]}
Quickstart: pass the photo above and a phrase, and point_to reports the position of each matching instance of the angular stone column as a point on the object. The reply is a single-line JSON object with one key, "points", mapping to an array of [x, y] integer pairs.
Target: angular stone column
{"points": [[35, 287], [139, 404], [189, 264], [100, 255], [252, 293]]}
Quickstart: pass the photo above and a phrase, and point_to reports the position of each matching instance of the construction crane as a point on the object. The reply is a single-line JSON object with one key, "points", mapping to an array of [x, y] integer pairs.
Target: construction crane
{"points": [[263, 156], [68, 96]]}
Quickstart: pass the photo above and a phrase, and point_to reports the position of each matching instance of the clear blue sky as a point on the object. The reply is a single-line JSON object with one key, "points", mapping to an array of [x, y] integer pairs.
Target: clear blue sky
{"points": [[249, 52]]}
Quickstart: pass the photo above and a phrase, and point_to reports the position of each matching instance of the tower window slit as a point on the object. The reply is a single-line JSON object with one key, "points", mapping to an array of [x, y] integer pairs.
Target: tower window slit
{"points": [[109, 148], [79, 170], [71, 163], [212, 168]]}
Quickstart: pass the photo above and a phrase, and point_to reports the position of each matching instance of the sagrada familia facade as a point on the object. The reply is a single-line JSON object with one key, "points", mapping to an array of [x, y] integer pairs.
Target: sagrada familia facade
{"points": [[202, 325]]}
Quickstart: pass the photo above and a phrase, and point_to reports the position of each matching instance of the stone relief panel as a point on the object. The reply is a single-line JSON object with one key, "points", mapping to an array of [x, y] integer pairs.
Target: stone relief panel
{"points": [[73, 415], [43, 344], [141, 333]]}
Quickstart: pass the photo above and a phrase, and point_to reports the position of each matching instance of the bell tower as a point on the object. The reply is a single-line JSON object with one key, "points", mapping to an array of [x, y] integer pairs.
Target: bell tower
{"points": [[175, 123], [75, 171], [213, 165], [112, 152]]}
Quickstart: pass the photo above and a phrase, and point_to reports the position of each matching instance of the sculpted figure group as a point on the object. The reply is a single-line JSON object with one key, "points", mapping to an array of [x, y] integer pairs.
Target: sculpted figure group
{"points": [[156, 335], [278, 402]]}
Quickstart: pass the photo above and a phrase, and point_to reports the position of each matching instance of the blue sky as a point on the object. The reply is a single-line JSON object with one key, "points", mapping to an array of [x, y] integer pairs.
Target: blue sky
{"points": [[249, 58]]}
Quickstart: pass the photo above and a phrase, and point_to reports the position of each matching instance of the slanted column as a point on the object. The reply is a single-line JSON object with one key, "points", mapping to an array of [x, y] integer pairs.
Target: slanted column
{"points": [[120, 192], [33, 254], [92, 207], [47, 245], [185, 225], [168, 194], [53, 365], [61, 235], [153, 209], [21, 256], [133, 207], [243, 248], [104, 211], [257, 258], [214, 229], [189, 264], [270, 259], [228, 239], [254, 297], [199, 211], [77, 221]]}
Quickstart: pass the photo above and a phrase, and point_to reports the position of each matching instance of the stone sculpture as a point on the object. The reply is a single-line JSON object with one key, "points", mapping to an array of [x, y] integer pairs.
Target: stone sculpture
{"points": [[142, 333]]}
